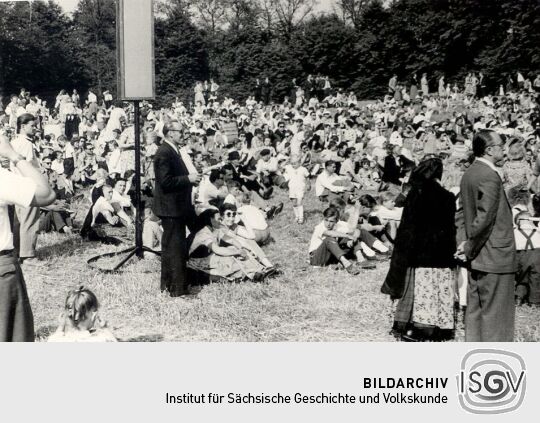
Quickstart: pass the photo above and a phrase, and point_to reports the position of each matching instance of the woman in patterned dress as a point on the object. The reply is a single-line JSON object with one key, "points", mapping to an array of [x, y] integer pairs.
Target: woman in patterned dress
{"points": [[421, 271]]}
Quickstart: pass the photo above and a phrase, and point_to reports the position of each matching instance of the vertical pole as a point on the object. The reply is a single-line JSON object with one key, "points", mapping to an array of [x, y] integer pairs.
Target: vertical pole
{"points": [[138, 205]]}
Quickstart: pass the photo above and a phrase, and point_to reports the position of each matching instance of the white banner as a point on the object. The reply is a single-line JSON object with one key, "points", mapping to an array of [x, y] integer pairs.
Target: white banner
{"points": [[269, 382]]}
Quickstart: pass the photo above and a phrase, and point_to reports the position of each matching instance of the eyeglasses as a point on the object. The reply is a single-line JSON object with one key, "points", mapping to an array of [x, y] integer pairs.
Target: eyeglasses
{"points": [[230, 214], [46, 163]]}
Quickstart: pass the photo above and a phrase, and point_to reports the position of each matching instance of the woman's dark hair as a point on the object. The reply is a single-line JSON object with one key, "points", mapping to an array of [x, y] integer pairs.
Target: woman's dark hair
{"points": [[225, 207], [367, 200], [205, 218], [426, 171], [348, 152]]}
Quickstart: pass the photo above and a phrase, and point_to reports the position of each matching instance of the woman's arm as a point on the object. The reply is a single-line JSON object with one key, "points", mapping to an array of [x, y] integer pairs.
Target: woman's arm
{"points": [[225, 251]]}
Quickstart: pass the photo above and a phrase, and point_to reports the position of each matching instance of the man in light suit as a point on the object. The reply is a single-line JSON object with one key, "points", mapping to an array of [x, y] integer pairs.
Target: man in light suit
{"points": [[175, 177], [487, 245]]}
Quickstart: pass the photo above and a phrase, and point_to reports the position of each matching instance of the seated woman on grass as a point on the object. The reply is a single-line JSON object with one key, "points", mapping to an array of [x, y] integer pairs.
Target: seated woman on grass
{"points": [[219, 258], [243, 235]]}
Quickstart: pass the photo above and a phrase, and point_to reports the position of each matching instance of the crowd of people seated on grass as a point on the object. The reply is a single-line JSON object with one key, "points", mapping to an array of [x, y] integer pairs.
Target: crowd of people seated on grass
{"points": [[358, 159]]}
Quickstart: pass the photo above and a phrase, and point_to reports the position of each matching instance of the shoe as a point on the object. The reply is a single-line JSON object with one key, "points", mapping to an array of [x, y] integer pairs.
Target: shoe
{"points": [[367, 265], [258, 277], [411, 336], [352, 270], [278, 209], [270, 212]]}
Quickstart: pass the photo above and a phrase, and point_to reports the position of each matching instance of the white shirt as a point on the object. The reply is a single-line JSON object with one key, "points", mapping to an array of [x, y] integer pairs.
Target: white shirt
{"points": [[252, 217], [324, 180], [100, 206], [297, 178], [271, 166], [120, 199], [58, 167], [208, 191], [14, 189], [24, 147], [317, 237]]}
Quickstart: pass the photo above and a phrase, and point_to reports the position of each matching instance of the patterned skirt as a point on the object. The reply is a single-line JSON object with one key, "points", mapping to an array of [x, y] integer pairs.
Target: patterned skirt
{"points": [[434, 297]]}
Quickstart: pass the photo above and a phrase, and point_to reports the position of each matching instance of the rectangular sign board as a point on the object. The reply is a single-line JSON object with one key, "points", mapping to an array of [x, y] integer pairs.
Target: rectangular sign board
{"points": [[135, 49]]}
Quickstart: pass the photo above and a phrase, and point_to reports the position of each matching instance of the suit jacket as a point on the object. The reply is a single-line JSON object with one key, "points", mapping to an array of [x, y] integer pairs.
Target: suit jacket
{"points": [[172, 191], [487, 218]]}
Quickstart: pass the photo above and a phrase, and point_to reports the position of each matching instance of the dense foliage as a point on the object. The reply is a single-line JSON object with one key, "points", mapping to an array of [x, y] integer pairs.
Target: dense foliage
{"points": [[236, 41]]}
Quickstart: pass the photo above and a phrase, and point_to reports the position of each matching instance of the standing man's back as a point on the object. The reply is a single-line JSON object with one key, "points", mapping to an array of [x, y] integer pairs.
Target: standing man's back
{"points": [[489, 245]]}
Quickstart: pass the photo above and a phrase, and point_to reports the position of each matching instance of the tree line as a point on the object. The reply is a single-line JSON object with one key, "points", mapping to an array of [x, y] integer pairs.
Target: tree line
{"points": [[359, 44]]}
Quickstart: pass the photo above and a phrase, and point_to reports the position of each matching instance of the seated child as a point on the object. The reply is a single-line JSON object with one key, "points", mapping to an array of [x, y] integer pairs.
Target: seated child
{"points": [[367, 245], [387, 214], [152, 232], [324, 246], [80, 321]]}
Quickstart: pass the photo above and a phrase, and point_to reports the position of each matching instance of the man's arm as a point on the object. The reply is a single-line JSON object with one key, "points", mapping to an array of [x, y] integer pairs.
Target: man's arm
{"points": [[165, 177], [43, 195]]}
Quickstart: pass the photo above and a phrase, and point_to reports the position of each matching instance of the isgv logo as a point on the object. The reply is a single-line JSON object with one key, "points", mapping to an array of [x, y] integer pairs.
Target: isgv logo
{"points": [[491, 381]]}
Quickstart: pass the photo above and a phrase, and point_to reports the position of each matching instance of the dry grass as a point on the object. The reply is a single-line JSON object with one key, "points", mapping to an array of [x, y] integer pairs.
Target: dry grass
{"points": [[303, 304]]}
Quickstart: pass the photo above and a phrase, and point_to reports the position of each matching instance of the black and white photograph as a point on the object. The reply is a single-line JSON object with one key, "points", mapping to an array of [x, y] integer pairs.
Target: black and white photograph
{"points": [[270, 171]]}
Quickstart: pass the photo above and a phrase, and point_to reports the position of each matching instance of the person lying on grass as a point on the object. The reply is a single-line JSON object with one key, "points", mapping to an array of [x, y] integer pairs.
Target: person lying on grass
{"points": [[327, 243]]}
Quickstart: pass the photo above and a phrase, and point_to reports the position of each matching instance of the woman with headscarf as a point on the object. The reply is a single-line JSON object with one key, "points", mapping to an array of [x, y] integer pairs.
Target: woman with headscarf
{"points": [[421, 270]]}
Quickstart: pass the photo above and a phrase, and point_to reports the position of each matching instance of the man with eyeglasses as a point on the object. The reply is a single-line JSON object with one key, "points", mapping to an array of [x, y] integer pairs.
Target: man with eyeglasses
{"points": [[488, 246], [175, 177]]}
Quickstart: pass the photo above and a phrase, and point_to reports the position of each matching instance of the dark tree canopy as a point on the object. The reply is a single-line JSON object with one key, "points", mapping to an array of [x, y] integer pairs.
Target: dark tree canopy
{"points": [[236, 41]]}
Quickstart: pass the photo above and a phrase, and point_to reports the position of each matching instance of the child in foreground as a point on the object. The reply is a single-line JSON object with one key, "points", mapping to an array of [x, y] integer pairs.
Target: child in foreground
{"points": [[80, 321]]}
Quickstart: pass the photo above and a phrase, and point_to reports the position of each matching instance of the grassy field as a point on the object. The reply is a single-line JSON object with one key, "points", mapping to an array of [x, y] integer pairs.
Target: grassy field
{"points": [[303, 304]]}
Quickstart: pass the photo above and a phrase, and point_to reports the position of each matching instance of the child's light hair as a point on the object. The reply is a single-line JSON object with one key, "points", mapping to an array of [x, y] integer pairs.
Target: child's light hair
{"points": [[79, 303], [386, 196]]}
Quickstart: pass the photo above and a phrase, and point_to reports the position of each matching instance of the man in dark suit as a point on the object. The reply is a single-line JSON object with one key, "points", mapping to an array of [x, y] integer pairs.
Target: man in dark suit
{"points": [[175, 177], [487, 245]]}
